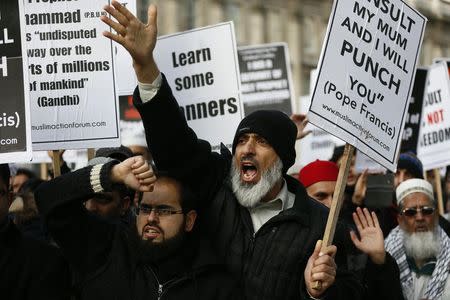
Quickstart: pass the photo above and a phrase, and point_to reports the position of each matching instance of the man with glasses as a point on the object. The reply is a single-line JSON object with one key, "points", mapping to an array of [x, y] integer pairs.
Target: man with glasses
{"points": [[419, 244], [155, 258]]}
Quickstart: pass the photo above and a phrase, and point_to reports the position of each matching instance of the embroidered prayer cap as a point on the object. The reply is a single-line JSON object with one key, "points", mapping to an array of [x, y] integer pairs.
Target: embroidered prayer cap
{"points": [[414, 185]]}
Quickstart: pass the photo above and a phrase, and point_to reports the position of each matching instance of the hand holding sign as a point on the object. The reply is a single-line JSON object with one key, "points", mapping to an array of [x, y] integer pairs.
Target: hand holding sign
{"points": [[137, 38], [321, 267]]}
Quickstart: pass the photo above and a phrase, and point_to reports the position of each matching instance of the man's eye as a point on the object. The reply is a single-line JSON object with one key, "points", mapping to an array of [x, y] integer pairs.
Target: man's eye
{"points": [[164, 211], [262, 141]]}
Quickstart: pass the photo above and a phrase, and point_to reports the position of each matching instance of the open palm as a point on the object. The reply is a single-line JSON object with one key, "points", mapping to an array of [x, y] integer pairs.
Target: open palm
{"points": [[370, 239]]}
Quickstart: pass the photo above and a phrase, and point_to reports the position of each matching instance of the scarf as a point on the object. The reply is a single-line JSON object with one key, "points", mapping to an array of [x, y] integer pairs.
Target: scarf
{"points": [[435, 287]]}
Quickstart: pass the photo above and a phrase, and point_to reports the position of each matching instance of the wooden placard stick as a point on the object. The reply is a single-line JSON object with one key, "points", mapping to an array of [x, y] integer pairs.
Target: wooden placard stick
{"points": [[56, 163], [44, 171], [438, 187], [338, 199], [90, 153]]}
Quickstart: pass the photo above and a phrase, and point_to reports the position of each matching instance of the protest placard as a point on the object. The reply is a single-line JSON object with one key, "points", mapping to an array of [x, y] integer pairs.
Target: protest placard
{"points": [[201, 67], [15, 135], [434, 137], [363, 162], [319, 144], [410, 135], [131, 128], [72, 81], [366, 72], [266, 79]]}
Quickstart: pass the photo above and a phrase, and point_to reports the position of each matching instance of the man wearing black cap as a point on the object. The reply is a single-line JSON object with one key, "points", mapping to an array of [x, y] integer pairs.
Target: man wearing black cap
{"points": [[261, 221], [113, 205]]}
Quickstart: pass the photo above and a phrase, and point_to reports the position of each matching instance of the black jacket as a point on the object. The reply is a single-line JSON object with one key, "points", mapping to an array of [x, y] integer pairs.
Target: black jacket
{"points": [[106, 259], [30, 269], [269, 263]]}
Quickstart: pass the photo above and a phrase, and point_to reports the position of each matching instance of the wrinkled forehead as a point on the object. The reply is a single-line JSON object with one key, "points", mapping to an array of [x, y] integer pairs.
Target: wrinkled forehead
{"points": [[417, 199]]}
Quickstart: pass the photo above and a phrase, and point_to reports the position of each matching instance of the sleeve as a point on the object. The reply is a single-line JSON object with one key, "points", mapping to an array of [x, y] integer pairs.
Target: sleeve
{"points": [[175, 147], [84, 239], [383, 281]]}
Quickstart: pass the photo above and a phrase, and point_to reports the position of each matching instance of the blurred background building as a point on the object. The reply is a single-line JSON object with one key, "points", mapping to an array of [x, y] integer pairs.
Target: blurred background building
{"points": [[300, 23]]}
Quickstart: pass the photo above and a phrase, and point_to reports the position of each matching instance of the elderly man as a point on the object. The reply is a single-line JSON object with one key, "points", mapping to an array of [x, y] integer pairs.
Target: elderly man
{"points": [[261, 221], [419, 245]]}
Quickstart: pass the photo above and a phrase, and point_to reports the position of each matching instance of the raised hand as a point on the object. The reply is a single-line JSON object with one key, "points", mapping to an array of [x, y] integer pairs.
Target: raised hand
{"points": [[371, 239], [301, 121], [320, 267], [134, 172], [137, 38]]}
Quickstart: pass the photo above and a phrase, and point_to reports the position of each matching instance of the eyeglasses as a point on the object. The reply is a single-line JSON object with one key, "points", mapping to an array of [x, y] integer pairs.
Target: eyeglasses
{"points": [[145, 209], [412, 211]]}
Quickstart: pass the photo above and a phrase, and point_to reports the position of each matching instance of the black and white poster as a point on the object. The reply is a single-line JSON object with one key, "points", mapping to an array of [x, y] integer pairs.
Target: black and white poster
{"points": [[266, 79], [15, 139], [410, 135]]}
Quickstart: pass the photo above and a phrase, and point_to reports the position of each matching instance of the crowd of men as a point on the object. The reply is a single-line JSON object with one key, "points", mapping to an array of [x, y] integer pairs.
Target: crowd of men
{"points": [[197, 224]]}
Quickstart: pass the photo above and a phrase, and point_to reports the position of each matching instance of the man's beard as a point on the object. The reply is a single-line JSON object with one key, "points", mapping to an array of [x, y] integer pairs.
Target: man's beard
{"points": [[250, 194], [156, 252], [421, 245]]}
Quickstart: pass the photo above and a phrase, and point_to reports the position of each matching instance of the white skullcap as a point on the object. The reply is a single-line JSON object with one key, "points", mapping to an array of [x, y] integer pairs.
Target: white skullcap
{"points": [[414, 186]]}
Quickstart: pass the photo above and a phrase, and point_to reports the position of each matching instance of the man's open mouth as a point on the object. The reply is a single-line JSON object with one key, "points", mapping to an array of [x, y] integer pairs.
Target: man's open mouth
{"points": [[150, 233], [249, 171]]}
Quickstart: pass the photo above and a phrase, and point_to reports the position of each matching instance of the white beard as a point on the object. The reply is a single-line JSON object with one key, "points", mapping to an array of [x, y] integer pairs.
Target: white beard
{"points": [[421, 245], [250, 194]]}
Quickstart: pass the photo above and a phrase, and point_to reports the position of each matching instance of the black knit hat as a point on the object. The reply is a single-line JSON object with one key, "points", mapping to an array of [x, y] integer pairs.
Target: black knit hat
{"points": [[276, 128], [410, 162], [120, 153]]}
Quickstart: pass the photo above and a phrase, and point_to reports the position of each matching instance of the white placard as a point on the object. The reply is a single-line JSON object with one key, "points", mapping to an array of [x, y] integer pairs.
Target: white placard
{"points": [[202, 69], [363, 162], [319, 144], [366, 74], [15, 134], [72, 82], [126, 78], [434, 138]]}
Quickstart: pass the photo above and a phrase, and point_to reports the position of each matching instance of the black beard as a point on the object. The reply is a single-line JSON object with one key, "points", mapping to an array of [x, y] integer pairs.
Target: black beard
{"points": [[158, 252]]}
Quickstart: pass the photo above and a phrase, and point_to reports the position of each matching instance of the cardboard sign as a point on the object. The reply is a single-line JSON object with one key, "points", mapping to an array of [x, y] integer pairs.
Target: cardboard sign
{"points": [[15, 135], [202, 70], [366, 72], [410, 135], [266, 78], [363, 162], [131, 128], [319, 144], [434, 138], [72, 82]]}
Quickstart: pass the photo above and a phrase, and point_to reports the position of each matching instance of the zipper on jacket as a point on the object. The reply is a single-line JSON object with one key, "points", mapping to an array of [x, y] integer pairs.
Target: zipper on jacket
{"points": [[160, 290]]}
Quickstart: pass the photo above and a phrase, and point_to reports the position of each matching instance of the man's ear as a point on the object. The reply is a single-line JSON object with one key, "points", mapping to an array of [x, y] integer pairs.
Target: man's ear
{"points": [[190, 220]]}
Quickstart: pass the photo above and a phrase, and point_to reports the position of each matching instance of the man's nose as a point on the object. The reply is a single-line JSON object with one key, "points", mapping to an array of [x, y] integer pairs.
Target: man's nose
{"points": [[153, 217], [249, 147]]}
